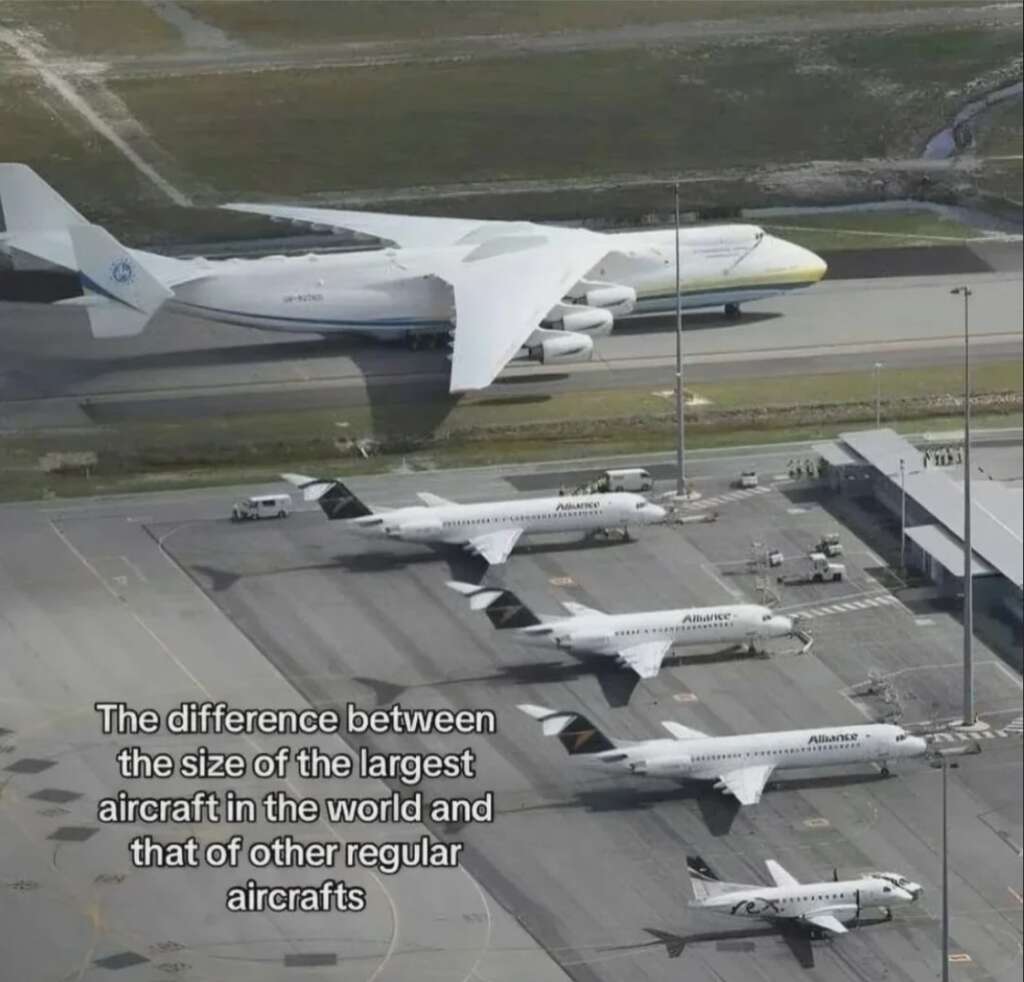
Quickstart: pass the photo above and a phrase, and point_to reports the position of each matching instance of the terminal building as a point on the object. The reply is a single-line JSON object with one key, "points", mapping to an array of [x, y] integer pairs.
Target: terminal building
{"points": [[927, 501]]}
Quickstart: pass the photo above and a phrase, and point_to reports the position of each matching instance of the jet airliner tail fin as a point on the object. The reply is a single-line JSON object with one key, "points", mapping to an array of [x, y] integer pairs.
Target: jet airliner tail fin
{"points": [[123, 294], [503, 608], [575, 732], [335, 500]]}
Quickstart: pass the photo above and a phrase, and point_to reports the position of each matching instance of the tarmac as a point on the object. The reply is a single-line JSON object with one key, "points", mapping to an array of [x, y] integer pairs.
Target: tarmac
{"points": [[158, 598]]}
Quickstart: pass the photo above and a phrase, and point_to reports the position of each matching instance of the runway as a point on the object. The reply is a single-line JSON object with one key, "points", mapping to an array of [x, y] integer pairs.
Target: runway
{"points": [[55, 373]]}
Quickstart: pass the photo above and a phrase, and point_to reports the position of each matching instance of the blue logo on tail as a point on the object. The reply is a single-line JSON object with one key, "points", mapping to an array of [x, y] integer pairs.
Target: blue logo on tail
{"points": [[122, 272]]}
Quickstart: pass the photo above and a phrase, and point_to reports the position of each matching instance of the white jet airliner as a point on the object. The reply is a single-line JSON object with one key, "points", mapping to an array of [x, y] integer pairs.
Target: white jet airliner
{"points": [[489, 528], [640, 640], [825, 907], [739, 765], [507, 289]]}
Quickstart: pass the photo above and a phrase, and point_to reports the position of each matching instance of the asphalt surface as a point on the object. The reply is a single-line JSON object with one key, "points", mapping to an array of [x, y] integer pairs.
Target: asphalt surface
{"points": [[592, 868], [55, 373]]}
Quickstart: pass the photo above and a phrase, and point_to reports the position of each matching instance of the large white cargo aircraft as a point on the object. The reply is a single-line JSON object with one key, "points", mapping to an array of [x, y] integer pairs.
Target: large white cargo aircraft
{"points": [[488, 528], [823, 907], [506, 289], [739, 765], [640, 640]]}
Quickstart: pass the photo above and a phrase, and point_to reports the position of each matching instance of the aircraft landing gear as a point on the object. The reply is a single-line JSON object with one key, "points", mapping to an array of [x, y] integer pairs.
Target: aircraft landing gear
{"points": [[418, 340], [888, 913], [732, 311], [885, 770]]}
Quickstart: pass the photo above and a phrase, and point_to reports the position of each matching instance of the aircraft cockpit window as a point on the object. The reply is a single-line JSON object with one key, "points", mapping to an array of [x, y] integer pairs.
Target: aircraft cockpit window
{"points": [[766, 617]]}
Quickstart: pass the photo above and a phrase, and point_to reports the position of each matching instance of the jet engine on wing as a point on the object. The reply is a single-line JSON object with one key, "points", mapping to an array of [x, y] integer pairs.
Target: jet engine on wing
{"points": [[660, 768], [618, 300], [593, 321], [589, 642], [562, 347], [418, 530]]}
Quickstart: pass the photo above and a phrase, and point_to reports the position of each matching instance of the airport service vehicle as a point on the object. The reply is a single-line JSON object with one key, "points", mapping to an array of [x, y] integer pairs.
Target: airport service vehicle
{"points": [[748, 479], [490, 529], [739, 765], [262, 506], [823, 571], [824, 908], [639, 641], [497, 290], [627, 479], [830, 545]]}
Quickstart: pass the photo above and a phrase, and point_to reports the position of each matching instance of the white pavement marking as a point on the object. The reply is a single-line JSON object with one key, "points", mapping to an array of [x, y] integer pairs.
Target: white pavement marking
{"points": [[28, 54]]}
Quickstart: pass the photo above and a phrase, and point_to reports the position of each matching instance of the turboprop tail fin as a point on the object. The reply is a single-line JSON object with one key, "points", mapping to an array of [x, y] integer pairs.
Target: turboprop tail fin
{"points": [[121, 294]]}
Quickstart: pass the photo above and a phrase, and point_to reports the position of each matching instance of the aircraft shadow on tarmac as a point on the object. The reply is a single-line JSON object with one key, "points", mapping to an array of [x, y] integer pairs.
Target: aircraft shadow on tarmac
{"points": [[463, 565], [797, 938], [718, 811], [617, 683]]}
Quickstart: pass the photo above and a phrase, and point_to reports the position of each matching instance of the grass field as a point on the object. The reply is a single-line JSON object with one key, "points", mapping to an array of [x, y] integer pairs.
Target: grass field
{"points": [[312, 21], [871, 229], [92, 27], [577, 115], [491, 429]]}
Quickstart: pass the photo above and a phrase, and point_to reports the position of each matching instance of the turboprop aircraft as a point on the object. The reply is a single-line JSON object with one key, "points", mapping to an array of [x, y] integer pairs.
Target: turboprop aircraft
{"points": [[488, 528], [824, 907], [739, 765], [497, 290], [639, 641]]}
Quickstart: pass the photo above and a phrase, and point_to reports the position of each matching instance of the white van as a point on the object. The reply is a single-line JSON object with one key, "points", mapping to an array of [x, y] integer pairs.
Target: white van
{"points": [[262, 506], [628, 479]]}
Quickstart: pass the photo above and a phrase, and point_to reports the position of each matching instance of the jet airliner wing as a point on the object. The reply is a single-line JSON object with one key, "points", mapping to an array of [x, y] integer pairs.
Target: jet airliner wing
{"points": [[433, 500], [746, 785], [827, 922], [645, 659], [579, 610], [681, 732], [495, 547]]}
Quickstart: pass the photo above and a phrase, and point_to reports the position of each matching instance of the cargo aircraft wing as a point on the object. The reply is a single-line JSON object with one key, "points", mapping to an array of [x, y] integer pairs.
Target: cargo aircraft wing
{"points": [[506, 276]]}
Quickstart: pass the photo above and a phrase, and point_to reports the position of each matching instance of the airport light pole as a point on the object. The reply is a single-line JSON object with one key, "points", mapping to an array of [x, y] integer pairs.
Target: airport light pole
{"points": [[680, 398], [878, 394], [970, 717], [903, 518], [940, 759]]}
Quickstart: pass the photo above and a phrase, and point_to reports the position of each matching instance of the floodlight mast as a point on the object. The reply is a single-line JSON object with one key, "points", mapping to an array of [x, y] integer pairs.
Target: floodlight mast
{"points": [[680, 397]]}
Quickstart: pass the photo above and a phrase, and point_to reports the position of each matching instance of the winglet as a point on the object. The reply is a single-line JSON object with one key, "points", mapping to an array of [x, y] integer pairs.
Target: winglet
{"points": [[108, 271]]}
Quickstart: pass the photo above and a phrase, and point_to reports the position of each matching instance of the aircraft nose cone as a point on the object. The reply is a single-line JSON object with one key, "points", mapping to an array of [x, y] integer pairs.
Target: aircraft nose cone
{"points": [[657, 513], [919, 744], [817, 266]]}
